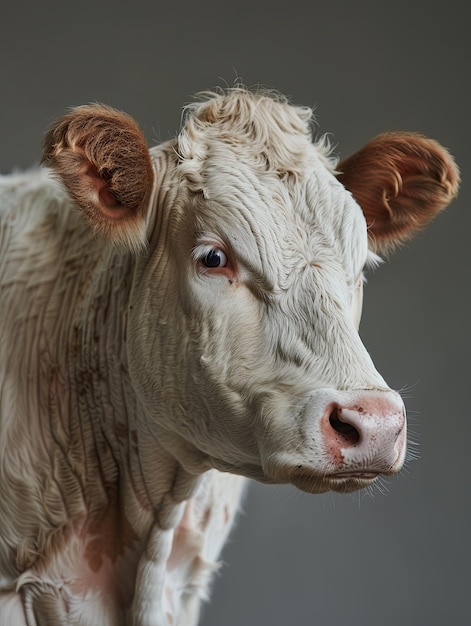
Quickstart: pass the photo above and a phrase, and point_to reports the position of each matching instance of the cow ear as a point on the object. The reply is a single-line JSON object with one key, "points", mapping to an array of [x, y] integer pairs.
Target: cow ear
{"points": [[102, 158], [401, 180]]}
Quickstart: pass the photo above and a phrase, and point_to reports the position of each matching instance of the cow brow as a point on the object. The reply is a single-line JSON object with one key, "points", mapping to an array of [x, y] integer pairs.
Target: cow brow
{"points": [[259, 284]]}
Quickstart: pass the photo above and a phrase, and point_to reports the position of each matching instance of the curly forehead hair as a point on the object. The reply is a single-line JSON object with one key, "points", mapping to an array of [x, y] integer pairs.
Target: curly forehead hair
{"points": [[276, 132]]}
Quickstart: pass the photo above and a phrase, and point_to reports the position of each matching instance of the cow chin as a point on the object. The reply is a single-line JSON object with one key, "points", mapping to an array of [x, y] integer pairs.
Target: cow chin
{"points": [[316, 481]]}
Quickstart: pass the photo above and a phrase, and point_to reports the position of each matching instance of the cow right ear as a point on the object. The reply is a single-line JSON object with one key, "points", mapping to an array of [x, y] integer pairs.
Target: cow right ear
{"points": [[401, 180], [102, 158]]}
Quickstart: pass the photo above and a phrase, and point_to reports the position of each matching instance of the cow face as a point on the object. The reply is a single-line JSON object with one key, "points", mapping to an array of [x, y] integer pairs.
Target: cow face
{"points": [[267, 265], [242, 337]]}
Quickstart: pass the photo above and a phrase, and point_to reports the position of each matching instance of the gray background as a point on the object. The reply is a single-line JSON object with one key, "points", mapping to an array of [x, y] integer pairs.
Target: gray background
{"points": [[402, 557]]}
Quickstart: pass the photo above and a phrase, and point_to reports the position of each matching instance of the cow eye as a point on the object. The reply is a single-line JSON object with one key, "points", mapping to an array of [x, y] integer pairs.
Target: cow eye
{"points": [[215, 258]]}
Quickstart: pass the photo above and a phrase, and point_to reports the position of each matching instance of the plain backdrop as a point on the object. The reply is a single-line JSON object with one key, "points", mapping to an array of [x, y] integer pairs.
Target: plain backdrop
{"points": [[402, 555]]}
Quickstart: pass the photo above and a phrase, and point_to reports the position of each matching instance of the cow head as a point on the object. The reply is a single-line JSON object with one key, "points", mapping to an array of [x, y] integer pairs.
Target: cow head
{"points": [[243, 340]]}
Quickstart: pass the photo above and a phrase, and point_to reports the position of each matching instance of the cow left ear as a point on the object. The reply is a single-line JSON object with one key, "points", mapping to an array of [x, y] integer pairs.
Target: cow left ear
{"points": [[102, 158], [401, 180]]}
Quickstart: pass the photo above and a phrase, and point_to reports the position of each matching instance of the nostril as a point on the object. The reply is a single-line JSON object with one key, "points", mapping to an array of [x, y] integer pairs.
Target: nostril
{"points": [[349, 433]]}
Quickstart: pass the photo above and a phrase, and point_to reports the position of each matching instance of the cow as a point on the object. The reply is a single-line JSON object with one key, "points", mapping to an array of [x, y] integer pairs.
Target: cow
{"points": [[175, 321]]}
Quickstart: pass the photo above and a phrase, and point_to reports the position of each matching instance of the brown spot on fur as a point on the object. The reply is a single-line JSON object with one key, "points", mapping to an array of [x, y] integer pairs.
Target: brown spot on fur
{"points": [[206, 518], [121, 430], [108, 535]]}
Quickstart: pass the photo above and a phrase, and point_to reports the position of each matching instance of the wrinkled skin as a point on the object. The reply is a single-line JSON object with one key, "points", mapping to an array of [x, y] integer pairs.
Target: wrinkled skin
{"points": [[176, 320], [245, 369]]}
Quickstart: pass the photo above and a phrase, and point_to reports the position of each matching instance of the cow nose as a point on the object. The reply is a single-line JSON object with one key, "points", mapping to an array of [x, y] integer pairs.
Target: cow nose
{"points": [[367, 436], [347, 429]]}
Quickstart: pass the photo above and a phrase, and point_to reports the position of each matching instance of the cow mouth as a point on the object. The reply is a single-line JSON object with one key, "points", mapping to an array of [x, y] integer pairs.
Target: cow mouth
{"points": [[341, 482], [367, 475]]}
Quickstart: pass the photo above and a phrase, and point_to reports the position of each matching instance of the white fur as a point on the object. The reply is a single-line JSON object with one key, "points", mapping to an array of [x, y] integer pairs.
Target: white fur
{"points": [[131, 384]]}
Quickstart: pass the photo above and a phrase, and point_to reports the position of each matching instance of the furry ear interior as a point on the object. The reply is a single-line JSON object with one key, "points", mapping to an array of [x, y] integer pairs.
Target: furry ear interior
{"points": [[101, 156], [401, 180]]}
